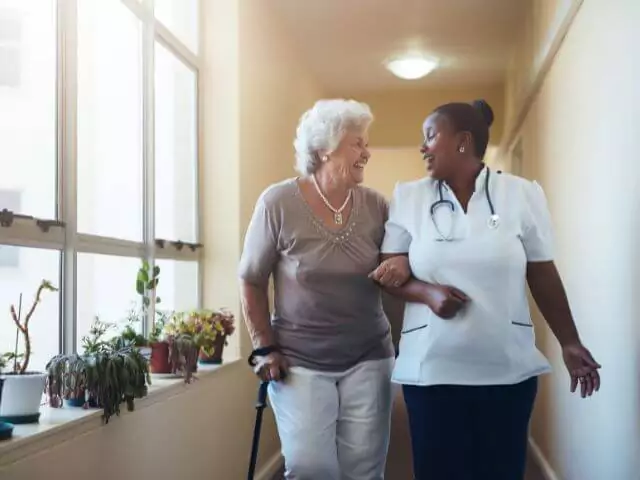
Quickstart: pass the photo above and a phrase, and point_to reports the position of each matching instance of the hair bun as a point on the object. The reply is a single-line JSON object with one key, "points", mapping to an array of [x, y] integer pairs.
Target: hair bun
{"points": [[485, 110]]}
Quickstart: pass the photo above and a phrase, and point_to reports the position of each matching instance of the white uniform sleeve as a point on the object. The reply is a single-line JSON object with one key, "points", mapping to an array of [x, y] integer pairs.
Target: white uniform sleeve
{"points": [[397, 238], [537, 236]]}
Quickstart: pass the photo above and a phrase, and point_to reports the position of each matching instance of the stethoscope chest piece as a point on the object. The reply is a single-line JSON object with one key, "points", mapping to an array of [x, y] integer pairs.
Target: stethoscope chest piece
{"points": [[493, 222]]}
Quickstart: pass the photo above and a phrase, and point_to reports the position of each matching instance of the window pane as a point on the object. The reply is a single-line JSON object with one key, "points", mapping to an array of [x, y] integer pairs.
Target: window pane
{"points": [[106, 289], [178, 285], [21, 272], [176, 140], [181, 17], [109, 120], [28, 105]]}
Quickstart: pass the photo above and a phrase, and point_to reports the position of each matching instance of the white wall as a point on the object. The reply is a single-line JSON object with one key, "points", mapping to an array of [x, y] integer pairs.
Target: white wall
{"points": [[580, 142]]}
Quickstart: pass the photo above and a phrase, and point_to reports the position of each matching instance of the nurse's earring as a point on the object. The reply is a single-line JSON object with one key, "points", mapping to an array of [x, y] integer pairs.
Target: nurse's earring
{"points": [[325, 158], [461, 149]]}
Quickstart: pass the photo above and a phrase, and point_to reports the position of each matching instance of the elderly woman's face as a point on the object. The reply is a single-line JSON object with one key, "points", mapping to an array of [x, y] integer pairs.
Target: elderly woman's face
{"points": [[349, 159]]}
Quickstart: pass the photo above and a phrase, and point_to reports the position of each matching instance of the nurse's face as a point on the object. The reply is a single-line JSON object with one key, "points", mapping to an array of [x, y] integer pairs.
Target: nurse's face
{"points": [[440, 149]]}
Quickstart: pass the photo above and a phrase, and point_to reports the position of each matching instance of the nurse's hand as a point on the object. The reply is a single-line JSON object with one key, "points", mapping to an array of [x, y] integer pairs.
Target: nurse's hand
{"points": [[393, 272], [582, 368], [445, 301]]}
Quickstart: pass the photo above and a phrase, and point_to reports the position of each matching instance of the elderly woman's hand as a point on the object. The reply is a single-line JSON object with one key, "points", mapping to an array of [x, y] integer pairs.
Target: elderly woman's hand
{"points": [[393, 272], [271, 367]]}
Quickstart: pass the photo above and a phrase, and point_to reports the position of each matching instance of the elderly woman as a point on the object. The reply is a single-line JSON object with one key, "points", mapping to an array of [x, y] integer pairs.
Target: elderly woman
{"points": [[327, 347], [468, 363]]}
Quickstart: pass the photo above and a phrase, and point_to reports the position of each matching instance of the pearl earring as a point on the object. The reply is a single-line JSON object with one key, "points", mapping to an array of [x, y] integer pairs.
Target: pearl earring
{"points": [[325, 158], [461, 149]]}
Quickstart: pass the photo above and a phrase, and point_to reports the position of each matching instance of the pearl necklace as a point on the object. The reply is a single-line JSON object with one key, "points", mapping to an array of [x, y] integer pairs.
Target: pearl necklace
{"points": [[337, 212]]}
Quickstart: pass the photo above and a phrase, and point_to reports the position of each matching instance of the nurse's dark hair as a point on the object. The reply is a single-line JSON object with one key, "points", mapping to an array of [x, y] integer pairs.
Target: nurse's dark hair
{"points": [[475, 117]]}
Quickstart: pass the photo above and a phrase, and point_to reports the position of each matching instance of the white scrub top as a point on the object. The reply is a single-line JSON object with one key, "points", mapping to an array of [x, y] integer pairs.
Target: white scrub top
{"points": [[491, 341]]}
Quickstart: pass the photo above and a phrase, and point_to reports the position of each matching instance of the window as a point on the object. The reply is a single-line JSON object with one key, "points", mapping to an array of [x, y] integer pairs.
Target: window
{"points": [[35, 265], [10, 47], [9, 256], [99, 145], [178, 285], [176, 140], [181, 18], [28, 113], [106, 289], [109, 120]]}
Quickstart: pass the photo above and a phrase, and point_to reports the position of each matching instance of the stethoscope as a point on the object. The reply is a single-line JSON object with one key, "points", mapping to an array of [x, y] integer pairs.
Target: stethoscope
{"points": [[494, 219]]}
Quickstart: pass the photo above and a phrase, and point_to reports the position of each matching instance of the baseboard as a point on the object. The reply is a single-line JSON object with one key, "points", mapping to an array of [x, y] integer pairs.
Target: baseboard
{"points": [[546, 468], [270, 468]]}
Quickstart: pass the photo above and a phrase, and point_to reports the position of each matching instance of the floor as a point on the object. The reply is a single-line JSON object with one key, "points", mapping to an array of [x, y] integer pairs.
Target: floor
{"points": [[399, 459]]}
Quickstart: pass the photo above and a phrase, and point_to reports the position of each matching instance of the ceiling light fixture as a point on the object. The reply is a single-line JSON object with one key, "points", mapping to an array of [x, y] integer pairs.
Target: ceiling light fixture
{"points": [[411, 67]]}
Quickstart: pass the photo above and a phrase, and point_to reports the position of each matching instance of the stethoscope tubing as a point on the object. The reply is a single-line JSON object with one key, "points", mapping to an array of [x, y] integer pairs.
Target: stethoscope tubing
{"points": [[448, 203]]}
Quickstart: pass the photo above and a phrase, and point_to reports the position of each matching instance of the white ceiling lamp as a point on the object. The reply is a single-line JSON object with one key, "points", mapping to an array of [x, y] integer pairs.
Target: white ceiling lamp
{"points": [[411, 67]]}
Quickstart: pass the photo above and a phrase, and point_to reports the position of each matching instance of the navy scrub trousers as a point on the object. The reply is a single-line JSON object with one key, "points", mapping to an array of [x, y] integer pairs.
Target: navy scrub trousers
{"points": [[470, 432]]}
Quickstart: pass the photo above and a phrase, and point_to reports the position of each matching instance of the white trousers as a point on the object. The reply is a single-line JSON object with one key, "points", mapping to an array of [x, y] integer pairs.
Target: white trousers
{"points": [[334, 426]]}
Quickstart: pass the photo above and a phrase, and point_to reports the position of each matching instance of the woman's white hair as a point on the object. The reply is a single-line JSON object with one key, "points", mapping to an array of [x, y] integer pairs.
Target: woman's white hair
{"points": [[322, 128]]}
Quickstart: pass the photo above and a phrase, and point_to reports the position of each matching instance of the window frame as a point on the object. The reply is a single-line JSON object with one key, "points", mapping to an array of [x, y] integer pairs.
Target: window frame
{"points": [[62, 234]]}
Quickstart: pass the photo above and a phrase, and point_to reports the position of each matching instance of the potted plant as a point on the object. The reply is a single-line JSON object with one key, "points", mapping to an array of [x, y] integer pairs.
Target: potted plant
{"points": [[116, 376], [187, 334], [160, 347], [114, 373], [105, 375], [23, 389], [223, 323], [67, 381], [131, 336], [147, 280]]}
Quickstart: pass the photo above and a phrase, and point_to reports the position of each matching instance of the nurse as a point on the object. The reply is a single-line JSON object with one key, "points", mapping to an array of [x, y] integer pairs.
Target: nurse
{"points": [[474, 238]]}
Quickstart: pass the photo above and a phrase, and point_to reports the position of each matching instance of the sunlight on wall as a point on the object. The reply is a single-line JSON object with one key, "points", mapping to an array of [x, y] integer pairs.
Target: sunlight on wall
{"points": [[597, 252]]}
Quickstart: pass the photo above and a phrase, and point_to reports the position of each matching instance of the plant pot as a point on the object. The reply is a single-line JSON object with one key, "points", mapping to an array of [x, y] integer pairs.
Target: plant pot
{"points": [[218, 348], [74, 402], [6, 430], [160, 358], [21, 397]]}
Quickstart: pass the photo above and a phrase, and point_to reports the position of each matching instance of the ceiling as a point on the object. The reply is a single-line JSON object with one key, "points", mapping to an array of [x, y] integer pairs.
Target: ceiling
{"points": [[344, 42]]}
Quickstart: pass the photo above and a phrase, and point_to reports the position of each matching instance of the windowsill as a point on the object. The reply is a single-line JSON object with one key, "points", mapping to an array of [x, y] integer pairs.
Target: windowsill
{"points": [[59, 424]]}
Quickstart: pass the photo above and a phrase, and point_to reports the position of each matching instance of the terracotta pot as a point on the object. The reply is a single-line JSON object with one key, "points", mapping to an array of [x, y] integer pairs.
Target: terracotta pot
{"points": [[218, 348], [160, 358]]}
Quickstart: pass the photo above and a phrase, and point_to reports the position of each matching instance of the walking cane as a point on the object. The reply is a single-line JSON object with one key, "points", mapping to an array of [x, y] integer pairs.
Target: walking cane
{"points": [[260, 406]]}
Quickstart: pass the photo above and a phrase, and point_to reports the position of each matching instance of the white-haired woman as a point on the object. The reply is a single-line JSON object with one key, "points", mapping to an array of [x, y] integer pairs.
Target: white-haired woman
{"points": [[327, 345]]}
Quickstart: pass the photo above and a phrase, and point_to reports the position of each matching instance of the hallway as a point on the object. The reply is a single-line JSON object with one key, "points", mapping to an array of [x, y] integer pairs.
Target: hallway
{"points": [[154, 126]]}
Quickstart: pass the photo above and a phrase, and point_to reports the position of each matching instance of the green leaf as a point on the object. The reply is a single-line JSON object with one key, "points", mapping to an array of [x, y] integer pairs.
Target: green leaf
{"points": [[143, 276], [158, 299], [156, 271]]}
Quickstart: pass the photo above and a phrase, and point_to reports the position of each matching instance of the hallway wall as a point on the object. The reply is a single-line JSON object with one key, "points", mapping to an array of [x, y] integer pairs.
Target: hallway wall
{"points": [[400, 113], [580, 142]]}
